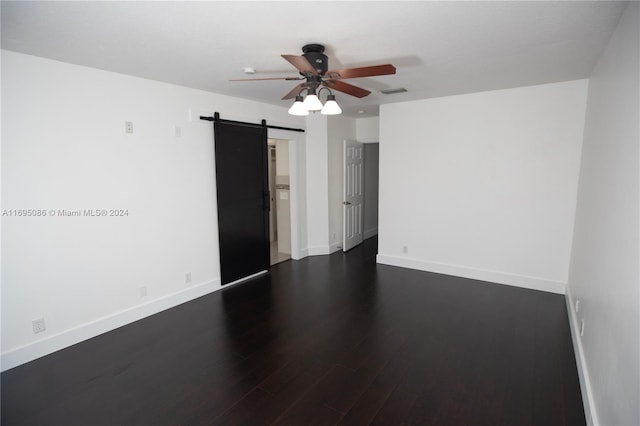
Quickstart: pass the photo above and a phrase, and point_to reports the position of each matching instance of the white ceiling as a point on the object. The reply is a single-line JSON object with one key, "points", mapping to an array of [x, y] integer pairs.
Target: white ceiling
{"points": [[438, 48]]}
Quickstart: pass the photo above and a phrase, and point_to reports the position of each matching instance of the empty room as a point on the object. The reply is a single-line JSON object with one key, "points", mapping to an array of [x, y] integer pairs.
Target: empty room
{"points": [[320, 212]]}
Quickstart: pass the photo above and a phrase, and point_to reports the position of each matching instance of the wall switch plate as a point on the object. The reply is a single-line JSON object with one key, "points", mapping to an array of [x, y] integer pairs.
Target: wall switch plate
{"points": [[38, 325], [187, 278], [405, 249], [143, 291]]}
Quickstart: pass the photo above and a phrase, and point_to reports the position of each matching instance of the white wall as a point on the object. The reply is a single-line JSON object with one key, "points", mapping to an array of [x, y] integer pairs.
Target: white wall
{"points": [[604, 267], [368, 129], [340, 128], [64, 147], [371, 167], [483, 185]]}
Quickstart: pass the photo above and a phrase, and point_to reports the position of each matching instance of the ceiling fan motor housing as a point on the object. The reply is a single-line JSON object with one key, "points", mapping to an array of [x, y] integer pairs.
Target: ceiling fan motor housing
{"points": [[314, 53]]}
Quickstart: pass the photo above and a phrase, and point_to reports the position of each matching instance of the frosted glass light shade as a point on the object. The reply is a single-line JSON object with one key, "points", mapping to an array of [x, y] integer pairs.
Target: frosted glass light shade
{"points": [[312, 103], [297, 108], [331, 107]]}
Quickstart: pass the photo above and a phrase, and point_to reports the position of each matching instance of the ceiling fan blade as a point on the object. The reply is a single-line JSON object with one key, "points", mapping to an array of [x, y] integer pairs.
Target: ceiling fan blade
{"points": [[347, 88], [294, 92], [385, 69], [268, 78], [301, 63]]}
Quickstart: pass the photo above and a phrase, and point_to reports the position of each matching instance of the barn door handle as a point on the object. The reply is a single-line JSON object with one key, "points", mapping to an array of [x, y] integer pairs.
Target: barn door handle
{"points": [[346, 203]]}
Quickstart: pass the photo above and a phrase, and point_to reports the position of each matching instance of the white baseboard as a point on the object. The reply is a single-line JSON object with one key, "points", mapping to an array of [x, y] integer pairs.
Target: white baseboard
{"points": [[370, 233], [66, 338], [335, 247], [583, 373], [300, 254], [476, 274], [319, 250]]}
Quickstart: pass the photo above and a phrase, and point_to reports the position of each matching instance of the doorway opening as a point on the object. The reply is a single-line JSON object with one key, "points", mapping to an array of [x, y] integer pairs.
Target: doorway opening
{"points": [[280, 206], [371, 178]]}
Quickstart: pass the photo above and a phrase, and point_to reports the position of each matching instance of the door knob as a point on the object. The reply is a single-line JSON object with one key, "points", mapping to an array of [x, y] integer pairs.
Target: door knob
{"points": [[346, 203]]}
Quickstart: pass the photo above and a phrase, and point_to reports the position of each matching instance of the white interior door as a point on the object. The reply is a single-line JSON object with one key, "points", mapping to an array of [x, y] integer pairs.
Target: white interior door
{"points": [[353, 205]]}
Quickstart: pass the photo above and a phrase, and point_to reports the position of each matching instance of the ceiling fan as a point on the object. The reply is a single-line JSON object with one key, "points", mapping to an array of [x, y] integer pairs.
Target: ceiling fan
{"points": [[313, 66]]}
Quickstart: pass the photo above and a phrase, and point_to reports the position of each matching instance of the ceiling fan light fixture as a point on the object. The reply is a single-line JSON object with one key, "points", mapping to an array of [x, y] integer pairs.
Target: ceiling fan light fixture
{"points": [[313, 68], [331, 107], [298, 108]]}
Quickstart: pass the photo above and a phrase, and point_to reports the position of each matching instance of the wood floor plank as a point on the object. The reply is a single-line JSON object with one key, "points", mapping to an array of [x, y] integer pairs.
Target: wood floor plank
{"points": [[375, 396], [395, 408], [312, 408], [242, 411], [354, 383], [275, 405]]}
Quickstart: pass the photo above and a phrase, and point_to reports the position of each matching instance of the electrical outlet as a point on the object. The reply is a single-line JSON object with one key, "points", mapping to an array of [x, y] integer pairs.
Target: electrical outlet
{"points": [[143, 291], [38, 325], [577, 306], [177, 131], [187, 278], [581, 328], [128, 126], [405, 249]]}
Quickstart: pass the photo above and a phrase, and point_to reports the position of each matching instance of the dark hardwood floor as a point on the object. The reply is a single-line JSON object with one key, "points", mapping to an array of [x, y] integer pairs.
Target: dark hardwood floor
{"points": [[326, 340]]}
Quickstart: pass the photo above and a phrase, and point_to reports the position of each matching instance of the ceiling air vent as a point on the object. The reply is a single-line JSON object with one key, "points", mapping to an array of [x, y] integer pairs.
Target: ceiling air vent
{"points": [[393, 91]]}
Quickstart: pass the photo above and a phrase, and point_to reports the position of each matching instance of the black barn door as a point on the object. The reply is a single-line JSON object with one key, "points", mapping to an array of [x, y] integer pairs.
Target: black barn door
{"points": [[243, 197]]}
